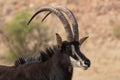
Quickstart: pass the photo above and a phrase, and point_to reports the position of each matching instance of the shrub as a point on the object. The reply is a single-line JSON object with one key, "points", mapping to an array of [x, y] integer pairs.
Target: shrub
{"points": [[25, 40], [116, 32]]}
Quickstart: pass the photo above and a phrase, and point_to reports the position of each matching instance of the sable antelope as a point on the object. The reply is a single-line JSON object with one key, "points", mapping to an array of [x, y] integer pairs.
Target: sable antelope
{"points": [[66, 55], [50, 51]]}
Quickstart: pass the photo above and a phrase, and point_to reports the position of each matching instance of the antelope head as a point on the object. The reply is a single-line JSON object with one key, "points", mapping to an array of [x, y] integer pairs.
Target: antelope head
{"points": [[72, 44]]}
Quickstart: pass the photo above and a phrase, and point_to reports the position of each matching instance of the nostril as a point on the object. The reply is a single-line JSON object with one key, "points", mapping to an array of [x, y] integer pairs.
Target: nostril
{"points": [[87, 62]]}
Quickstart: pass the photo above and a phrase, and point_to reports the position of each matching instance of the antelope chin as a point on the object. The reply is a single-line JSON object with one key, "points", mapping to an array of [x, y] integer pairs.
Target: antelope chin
{"points": [[78, 64], [84, 67], [81, 66]]}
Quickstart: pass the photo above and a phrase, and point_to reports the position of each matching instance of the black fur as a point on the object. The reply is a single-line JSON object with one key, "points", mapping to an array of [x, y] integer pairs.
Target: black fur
{"points": [[57, 67]]}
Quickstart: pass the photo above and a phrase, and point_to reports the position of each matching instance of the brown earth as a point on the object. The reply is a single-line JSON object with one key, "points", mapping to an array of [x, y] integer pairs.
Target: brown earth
{"points": [[96, 18]]}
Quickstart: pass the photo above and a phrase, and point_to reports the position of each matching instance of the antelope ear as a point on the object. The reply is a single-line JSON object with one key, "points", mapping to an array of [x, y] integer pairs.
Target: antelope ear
{"points": [[82, 40], [59, 40]]}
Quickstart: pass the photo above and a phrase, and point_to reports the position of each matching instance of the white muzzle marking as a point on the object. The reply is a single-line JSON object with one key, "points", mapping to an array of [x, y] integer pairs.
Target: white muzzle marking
{"points": [[77, 63]]}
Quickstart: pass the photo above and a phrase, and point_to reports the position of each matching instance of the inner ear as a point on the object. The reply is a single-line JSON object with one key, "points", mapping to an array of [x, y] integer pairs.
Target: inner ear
{"points": [[59, 40], [82, 40]]}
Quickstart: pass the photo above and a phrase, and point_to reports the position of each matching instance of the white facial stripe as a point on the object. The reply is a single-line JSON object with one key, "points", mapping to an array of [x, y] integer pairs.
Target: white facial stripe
{"points": [[74, 52], [75, 63]]}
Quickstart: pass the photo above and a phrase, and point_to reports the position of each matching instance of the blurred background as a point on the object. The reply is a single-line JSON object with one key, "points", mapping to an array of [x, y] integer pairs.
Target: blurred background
{"points": [[98, 19]]}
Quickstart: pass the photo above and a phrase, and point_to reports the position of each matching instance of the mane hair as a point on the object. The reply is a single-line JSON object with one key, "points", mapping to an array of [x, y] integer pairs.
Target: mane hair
{"points": [[43, 56], [47, 53]]}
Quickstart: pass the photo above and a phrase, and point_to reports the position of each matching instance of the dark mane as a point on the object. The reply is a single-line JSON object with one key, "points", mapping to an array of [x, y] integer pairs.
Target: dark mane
{"points": [[43, 56], [47, 53]]}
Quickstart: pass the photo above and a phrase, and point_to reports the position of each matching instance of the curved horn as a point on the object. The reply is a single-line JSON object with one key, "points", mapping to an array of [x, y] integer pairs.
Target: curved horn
{"points": [[71, 17], [60, 16], [73, 20]]}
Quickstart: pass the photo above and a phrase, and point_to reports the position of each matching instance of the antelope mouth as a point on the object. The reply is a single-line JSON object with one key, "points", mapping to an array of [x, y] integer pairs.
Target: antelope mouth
{"points": [[78, 64], [84, 67]]}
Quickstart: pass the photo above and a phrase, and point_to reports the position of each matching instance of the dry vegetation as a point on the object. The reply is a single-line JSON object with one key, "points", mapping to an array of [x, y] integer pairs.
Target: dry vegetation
{"points": [[97, 18]]}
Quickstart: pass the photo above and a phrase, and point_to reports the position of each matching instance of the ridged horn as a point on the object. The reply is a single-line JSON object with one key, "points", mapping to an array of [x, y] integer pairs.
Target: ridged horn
{"points": [[71, 17], [60, 16]]}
